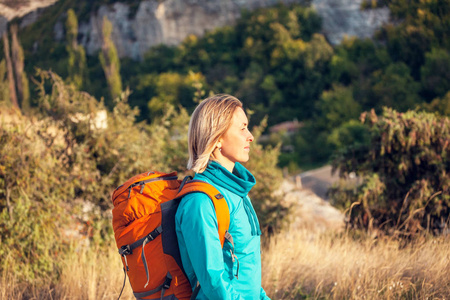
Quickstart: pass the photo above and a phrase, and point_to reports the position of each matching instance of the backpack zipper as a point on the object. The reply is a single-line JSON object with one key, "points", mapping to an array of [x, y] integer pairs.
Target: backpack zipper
{"points": [[144, 182]]}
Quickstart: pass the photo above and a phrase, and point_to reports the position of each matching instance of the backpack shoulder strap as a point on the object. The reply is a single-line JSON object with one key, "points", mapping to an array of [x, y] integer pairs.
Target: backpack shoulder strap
{"points": [[220, 204]]}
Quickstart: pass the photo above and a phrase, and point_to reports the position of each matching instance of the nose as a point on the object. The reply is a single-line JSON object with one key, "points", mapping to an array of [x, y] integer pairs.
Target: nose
{"points": [[250, 138]]}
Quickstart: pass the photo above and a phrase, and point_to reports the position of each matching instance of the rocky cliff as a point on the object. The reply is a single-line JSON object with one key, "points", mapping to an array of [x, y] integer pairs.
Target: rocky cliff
{"points": [[10, 9], [162, 22], [345, 18], [170, 21]]}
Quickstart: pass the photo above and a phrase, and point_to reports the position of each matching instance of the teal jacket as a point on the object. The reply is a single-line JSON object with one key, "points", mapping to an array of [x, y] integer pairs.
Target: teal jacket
{"points": [[202, 255]]}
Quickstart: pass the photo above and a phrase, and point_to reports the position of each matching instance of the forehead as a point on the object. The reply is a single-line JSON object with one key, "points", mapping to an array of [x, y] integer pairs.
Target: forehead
{"points": [[239, 117]]}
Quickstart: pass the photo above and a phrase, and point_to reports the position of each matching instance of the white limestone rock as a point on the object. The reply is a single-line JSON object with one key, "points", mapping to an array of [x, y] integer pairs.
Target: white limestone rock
{"points": [[345, 18]]}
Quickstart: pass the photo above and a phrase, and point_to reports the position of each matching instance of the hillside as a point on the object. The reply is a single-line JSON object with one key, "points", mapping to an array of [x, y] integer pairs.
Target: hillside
{"points": [[139, 25]]}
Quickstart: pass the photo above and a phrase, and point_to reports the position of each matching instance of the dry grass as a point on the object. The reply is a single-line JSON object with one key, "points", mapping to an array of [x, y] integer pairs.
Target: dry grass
{"points": [[302, 265], [296, 265], [85, 275], [93, 275]]}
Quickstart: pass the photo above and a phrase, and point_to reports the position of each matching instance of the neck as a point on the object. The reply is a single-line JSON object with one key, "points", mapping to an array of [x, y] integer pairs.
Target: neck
{"points": [[229, 165], [225, 162]]}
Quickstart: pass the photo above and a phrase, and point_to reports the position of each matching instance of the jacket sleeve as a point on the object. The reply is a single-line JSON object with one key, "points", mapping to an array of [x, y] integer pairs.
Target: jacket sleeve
{"points": [[199, 228], [263, 295]]}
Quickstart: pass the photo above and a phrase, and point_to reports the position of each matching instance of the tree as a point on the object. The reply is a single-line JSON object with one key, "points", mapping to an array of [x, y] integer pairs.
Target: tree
{"points": [[77, 57], [171, 89], [350, 133], [356, 58], [23, 91], [405, 187], [9, 67], [336, 107], [316, 140], [110, 60], [4, 88], [439, 105], [435, 73], [393, 87]]}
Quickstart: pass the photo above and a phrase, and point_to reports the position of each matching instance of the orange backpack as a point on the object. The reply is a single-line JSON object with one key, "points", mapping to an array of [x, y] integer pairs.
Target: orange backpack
{"points": [[144, 229]]}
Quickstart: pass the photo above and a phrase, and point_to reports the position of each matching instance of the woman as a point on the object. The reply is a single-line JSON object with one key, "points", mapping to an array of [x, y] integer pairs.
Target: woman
{"points": [[219, 141]]}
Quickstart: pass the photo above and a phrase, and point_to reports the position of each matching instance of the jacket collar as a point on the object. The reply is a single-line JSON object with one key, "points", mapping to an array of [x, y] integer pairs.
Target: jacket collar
{"points": [[239, 182]]}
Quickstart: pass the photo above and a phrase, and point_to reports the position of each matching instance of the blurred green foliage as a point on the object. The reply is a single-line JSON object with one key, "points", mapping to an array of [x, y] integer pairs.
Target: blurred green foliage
{"points": [[4, 84], [76, 65], [109, 60], [271, 209]]}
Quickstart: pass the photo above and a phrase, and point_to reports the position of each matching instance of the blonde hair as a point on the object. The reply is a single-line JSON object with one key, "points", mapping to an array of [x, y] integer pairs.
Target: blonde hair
{"points": [[209, 121]]}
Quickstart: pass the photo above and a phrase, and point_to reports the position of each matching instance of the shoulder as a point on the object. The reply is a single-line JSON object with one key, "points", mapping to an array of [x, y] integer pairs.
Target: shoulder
{"points": [[195, 199], [196, 212], [195, 204]]}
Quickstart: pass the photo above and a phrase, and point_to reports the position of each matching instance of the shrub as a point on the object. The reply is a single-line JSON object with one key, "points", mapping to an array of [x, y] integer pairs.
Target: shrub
{"points": [[31, 186], [403, 172]]}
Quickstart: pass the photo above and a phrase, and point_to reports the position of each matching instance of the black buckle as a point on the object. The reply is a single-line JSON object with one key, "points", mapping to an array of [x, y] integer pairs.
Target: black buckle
{"points": [[150, 236], [154, 234], [166, 284], [125, 250]]}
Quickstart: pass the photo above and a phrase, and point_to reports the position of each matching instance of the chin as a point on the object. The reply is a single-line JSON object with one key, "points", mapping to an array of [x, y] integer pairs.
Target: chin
{"points": [[244, 160]]}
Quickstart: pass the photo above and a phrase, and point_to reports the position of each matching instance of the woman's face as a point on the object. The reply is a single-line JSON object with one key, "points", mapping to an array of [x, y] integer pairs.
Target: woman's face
{"points": [[235, 142]]}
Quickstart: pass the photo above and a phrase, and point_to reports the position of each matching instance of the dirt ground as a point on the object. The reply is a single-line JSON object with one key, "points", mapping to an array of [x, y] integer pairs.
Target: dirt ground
{"points": [[306, 194], [318, 180]]}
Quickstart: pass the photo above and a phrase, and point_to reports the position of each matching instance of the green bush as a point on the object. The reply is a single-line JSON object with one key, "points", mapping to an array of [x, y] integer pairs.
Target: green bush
{"points": [[31, 187], [404, 184], [350, 133]]}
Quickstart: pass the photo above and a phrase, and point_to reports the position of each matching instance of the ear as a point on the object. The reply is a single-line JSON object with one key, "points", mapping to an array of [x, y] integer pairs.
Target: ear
{"points": [[219, 142]]}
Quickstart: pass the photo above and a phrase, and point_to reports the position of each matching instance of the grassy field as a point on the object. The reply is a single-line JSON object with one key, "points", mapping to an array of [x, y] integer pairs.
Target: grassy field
{"points": [[302, 265], [296, 265]]}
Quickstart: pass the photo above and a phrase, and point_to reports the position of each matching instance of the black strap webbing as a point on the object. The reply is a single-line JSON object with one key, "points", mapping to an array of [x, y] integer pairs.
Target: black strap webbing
{"points": [[128, 249], [163, 287], [148, 293], [195, 292]]}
